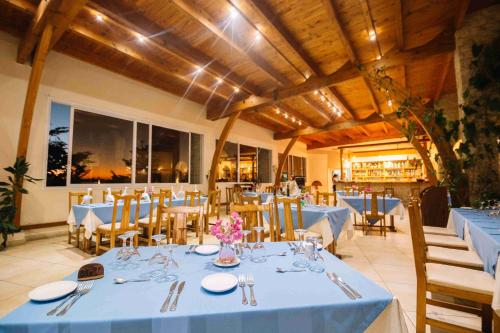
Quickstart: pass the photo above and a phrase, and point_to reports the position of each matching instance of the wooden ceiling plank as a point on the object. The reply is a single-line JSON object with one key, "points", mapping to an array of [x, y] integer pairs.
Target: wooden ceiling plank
{"points": [[206, 20], [393, 135], [442, 44], [167, 43], [374, 118], [299, 116]]}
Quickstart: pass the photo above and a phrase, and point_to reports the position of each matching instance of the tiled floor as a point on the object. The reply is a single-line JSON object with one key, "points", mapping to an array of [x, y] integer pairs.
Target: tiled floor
{"points": [[387, 261]]}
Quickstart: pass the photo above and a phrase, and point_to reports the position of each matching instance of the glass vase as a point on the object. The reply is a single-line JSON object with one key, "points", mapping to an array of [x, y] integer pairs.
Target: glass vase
{"points": [[227, 254]]}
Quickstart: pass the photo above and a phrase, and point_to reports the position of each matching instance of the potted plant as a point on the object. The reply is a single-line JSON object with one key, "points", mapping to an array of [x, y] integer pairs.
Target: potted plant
{"points": [[8, 192]]}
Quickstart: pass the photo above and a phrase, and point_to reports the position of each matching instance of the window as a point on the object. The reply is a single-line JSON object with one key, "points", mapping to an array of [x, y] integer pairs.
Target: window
{"points": [[196, 159], [227, 170], [248, 164], [102, 147], [57, 158], [142, 153], [169, 156], [295, 166], [264, 158]]}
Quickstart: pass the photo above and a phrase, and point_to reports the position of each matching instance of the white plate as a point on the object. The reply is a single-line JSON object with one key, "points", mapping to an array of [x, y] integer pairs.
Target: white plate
{"points": [[219, 282], [206, 250], [466, 208], [53, 290], [236, 262]]}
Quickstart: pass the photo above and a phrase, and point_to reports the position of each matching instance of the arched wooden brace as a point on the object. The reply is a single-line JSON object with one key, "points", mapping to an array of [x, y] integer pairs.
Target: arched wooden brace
{"points": [[220, 146], [29, 103], [277, 179]]}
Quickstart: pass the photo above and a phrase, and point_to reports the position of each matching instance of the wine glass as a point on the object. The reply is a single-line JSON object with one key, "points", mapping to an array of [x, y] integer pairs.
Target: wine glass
{"points": [[122, 255], [157, 258], [133, 251], [258, 249], [170, 266], [312, 255], [244, 244]]}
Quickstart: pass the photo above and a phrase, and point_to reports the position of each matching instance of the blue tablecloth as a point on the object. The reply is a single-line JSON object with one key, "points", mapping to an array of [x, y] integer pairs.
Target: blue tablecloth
{"points": [[357, 203], [313, 214], [484, 232], [296, 302], [104, 211], [263, 196]]}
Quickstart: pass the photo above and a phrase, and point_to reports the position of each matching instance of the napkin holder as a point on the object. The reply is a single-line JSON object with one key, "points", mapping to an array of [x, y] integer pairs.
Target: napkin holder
{"points": [[92, 271]]}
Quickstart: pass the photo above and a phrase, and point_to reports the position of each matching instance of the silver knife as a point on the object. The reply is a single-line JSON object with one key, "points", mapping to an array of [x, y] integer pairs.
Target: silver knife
{"points": [[164, 307], [344, 289], [173, 307], [354, 292]]}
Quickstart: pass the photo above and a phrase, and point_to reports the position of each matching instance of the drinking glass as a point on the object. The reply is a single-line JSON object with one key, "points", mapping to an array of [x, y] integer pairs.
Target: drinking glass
{"points": [[300, 233], [312, 255], [157, 258], [244, 244], [133, 251], [299, 253], [258, 249], [122, 255], [170, 266]]}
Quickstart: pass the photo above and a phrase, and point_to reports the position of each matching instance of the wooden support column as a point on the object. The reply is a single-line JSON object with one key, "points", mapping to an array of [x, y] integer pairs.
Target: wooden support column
{"points": [[220, 146], [29, 102], [277, 179]]}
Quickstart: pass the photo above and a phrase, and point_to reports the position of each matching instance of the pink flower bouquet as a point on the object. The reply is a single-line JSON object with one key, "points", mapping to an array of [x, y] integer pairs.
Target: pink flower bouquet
{"points": [[228, 231]]}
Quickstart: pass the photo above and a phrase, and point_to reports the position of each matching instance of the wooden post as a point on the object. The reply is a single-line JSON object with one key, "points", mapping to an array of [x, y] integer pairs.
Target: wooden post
{"points": [[277, 179], [29, 103], [220, 146]]}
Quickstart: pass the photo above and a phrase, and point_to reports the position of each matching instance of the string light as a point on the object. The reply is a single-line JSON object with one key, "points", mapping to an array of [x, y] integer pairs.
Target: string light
{"points": [[372, 35], [293, 119]]}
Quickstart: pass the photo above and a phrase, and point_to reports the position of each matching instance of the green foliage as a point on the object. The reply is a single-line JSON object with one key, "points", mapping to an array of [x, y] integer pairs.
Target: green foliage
{"points": [[8, 193]]}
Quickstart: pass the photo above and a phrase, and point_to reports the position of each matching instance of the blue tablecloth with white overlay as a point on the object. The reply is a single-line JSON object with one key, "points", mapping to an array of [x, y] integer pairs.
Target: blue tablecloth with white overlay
{"points": [[356, 203], [304, 302], [484, 232], [264, 196]]}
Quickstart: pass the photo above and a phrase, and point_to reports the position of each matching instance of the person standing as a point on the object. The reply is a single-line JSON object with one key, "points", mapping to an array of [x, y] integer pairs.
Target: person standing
{"points": [[335, 180]]}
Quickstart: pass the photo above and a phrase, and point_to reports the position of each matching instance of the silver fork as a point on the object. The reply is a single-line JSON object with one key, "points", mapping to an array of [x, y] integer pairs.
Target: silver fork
{"points": [[85, 290], [73, 294], [251, 283], [242, 283]]}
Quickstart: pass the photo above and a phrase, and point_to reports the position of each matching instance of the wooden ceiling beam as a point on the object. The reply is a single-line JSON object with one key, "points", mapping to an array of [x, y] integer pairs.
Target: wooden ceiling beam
{"points": [[442, 44], [275, 119], [170, 44], [299, 116], [392, 135], [400, 9], [58, 13], [372, 119]]}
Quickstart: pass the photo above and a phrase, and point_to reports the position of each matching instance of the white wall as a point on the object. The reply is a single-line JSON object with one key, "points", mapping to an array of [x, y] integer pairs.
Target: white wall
{"points": [[71, 81]]}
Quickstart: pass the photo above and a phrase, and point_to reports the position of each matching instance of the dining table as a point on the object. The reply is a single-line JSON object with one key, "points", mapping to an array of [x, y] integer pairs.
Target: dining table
{"points": [[264, 196], [95, 214], [305, 302], [481, 231], [355, 203]]}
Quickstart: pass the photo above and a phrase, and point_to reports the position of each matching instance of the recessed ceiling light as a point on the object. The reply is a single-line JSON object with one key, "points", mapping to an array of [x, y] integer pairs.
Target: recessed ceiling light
{"points": [[379, 57], [198, 70], [322, 98], [278, 111], [258, 36], [300, 123], [218, 80], [141, 38], [389, 102], [372, 35], [99, 18], [236, 89], [315, 92], [293, 119], [286, 116], [233, 13]]}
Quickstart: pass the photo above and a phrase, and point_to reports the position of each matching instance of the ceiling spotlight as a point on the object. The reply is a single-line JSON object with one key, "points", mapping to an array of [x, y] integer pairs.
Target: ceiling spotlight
{"points": [[286, 116], [236, 89], [99, 18], [258, 36], [330, 104], [141, 38], [198, 70], [372, 35], [300, 123], [218, 81], [322, 98], [379, 57], [278, 111], [293, 119], [315, 92], [233, 13], [389, 102]]}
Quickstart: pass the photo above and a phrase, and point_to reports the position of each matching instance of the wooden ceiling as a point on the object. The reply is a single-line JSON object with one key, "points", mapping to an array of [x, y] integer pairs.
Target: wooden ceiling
{"points": [[264, 56]]}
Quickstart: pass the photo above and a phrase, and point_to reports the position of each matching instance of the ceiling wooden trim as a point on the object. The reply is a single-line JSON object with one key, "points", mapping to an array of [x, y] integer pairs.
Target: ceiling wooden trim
{"points": [[374, 118], [330, 143]]}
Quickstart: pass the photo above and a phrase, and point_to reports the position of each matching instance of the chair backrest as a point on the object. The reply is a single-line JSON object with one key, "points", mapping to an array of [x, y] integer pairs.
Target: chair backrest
{"points": [[418, 240], [269, 189], [192, 199], [179, 215], [213, 203], [326, 196], [167, 195], [229, 195], [76, 195], [288, 216], [415, 192], [113, 193], [252, 216], [153, 218], [349, 191], [434, 206], [138, 191], [126, 201], [374, 209], [389, 191]]}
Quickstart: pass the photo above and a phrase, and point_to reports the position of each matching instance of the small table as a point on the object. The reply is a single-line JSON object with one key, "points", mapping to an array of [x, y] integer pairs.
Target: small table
{"points": [[305, 302], [393, 206]]}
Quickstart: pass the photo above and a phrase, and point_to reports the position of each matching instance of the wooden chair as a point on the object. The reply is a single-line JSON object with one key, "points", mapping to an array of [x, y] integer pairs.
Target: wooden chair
{"points": [[252, 216], [349, 191], [414, 192], [326, 196], [149, 224], [457, 282], [71, 201], [193, 199], [115, 228], [389, 191], [113, 193], [176, 219], [289, 233], [269, 189], [373, 214], [212, 208], [229, 198]]}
